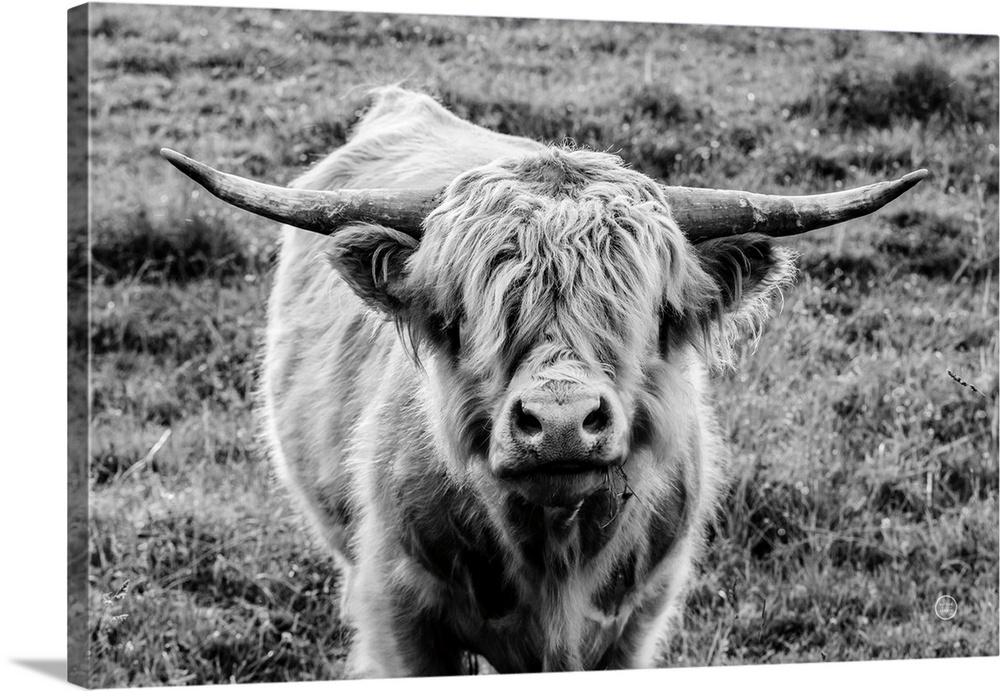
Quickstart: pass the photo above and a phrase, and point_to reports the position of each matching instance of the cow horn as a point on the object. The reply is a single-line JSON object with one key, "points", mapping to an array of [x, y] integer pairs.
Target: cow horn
{"points": [[704, 214], [320, 211]]}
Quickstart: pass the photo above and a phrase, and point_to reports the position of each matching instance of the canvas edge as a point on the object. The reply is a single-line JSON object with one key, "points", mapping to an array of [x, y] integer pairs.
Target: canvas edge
{"points": [[77, 389]]}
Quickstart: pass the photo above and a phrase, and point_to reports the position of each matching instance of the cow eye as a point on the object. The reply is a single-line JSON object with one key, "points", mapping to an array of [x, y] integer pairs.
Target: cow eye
{"points": [[674, 330], [453, 338], [447, 334]]}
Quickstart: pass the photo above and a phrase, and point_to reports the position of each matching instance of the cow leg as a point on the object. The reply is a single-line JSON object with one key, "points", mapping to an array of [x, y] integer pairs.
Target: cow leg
{"points": [[642, 642], [655, 618], [395, 633], [394, 642]]}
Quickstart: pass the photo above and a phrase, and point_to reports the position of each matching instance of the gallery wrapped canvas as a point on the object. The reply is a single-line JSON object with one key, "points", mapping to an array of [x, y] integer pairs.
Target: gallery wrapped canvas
{"points": [[409, 345]]}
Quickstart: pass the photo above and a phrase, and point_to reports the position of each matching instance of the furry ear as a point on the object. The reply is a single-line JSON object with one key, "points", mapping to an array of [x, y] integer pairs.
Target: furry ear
{"points": [[749, 272], [746, 269], [372, 259]]}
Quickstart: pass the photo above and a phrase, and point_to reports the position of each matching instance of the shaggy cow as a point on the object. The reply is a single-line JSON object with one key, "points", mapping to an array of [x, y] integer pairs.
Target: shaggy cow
{"points": [[489, 387]]}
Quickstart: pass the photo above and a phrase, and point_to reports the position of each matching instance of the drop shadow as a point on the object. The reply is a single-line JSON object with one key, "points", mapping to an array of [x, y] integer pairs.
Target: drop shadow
{"points": [[50, 668]]}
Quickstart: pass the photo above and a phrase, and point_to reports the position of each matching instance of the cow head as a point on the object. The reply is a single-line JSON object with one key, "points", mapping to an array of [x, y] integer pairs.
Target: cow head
{"points": [[557, 309], [559, 312]]}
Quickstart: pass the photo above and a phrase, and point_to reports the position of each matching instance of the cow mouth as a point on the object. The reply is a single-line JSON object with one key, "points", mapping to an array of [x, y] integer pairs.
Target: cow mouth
{"points": [[556, 483], [552, 468]]}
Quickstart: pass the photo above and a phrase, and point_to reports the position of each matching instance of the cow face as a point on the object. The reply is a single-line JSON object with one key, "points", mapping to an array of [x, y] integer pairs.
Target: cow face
{"points": [[558, 312]]}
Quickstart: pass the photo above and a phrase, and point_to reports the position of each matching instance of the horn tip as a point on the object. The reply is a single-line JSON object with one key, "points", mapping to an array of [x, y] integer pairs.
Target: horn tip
{"points": [[172, 156], [914, 177], [199, 172]]}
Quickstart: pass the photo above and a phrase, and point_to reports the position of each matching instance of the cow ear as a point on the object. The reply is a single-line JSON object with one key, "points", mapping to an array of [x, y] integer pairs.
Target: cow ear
{"points": [[372, 259], [749, 272]]}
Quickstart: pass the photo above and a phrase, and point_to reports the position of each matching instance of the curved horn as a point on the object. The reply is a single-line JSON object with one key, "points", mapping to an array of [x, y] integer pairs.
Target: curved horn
{"points": [[704, 214], [317, 210]]}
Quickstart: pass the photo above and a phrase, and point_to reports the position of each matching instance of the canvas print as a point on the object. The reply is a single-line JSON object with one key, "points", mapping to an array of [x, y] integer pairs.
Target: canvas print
{"points": [[412, 345]]}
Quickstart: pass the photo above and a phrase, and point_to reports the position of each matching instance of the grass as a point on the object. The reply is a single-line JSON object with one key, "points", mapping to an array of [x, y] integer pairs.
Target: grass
{"points": [[865, 481]]}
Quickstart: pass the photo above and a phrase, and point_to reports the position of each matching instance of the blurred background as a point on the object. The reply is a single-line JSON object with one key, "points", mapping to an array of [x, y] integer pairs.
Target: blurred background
{"points": [[864, 427]]}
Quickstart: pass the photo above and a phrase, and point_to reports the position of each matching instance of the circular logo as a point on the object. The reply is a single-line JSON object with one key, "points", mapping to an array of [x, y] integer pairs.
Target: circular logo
{"points": [[945, 607]]}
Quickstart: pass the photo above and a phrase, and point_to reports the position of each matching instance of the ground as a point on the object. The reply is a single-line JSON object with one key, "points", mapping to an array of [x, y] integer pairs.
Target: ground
{"points": [[864, 424]]}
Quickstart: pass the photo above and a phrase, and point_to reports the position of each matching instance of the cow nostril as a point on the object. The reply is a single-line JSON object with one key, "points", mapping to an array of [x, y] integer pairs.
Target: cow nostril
{"points": [[598, 419], [525, 421]]}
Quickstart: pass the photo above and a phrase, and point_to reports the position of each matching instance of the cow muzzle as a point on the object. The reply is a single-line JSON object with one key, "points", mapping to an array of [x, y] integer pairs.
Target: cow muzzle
{"points": [[561, 438]]}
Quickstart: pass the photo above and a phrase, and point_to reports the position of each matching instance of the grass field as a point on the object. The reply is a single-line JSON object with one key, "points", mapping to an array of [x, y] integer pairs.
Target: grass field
{"points": [[865, 426]]}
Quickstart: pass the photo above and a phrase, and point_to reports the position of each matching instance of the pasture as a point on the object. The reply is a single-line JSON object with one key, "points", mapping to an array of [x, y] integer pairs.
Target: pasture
{"points": [[864, 425]]}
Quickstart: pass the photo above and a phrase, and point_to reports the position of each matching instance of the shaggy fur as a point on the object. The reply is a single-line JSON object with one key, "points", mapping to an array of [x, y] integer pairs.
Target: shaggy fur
{"points": [[389, 384]]}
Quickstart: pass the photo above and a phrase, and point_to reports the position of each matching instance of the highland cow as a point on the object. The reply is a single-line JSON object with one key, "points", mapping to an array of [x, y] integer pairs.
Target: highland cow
{"points": [[487, 382]]}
